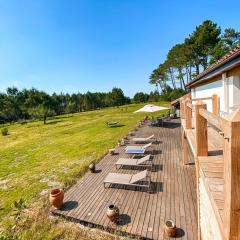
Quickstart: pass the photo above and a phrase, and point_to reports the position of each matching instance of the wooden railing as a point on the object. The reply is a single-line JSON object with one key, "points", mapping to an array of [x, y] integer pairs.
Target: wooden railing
{"points": [[230, 131]]}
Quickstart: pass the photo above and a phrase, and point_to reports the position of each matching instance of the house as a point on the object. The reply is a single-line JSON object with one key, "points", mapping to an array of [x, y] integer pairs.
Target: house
{"points": [[210, 118], [221, 78]]}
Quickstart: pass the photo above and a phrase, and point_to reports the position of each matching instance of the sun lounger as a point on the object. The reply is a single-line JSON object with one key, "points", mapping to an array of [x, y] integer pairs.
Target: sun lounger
{"points": [[111, 123], [139, 147], [135, 162], [135, 151], [140, 179], [148, 139]]}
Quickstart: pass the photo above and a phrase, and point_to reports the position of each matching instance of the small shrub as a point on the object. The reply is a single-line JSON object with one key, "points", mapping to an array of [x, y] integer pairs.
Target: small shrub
{"points": [[4, 131]]}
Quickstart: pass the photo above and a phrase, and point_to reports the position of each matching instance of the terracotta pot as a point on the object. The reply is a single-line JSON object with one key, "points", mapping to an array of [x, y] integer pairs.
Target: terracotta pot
{"points": [[113, 213], [56, 198], [170, 228], [92, 167]]}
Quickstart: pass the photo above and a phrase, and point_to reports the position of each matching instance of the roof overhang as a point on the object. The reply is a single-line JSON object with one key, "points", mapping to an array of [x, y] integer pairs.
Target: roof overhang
{"points": [[226, 63]]}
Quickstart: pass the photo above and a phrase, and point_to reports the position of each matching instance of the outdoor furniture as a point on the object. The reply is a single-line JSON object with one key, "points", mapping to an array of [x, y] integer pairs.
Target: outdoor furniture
{"points": [[157, 122], [139, 147], [135, 151], [145, 161], [134, 180], [147, 139], [111, 123]]}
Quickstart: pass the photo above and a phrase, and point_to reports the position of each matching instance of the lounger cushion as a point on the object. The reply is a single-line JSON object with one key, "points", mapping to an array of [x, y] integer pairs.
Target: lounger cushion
{"points": [[135, 151], [118, 178], [138, 176]]}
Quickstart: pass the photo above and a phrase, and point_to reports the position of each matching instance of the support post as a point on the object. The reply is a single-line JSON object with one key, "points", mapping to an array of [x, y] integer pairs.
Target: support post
{"points": [[188, 114], [182, 111], [201, 131], [231, 153], [215, 104], [185, 153]]}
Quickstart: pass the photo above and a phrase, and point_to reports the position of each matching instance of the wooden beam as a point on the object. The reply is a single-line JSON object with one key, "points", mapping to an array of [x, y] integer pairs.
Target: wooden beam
{"points": [[215, 104], [231, 153], [185, 153], [188, 114], [182, 107], [201, 131]]}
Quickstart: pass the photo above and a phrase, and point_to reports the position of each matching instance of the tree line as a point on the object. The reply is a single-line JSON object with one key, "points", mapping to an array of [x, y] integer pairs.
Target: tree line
{"points": [[16, 105], [205, 45]]}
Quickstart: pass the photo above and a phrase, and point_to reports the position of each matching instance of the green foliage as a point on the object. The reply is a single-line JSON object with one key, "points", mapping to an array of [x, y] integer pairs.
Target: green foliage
{"points": [[140, 97], [18, 207], [34, 104], [175, 94], [4, 131], [204, 45]]}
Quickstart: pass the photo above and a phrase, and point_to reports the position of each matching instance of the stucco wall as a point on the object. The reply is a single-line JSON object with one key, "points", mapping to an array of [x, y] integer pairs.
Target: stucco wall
{"points": [[228, 91], [208, 90]]}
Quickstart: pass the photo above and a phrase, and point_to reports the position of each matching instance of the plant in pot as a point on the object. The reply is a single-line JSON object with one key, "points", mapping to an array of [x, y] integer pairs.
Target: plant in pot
{"points": [[56, 198]]}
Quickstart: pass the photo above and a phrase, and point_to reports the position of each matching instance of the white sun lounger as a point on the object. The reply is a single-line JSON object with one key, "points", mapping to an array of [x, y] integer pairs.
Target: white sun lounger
{"points": [[135, 151], [139, 147], [135, 162], [142, 140], [134, 180]]}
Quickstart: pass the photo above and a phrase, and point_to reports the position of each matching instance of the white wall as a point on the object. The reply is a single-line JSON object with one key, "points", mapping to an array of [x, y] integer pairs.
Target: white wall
{"points": [[208, 90], [227, 89]]}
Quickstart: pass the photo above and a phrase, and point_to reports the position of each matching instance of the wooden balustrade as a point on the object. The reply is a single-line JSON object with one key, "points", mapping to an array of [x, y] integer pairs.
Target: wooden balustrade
{"points": [[188, 114], [230, 130], [201, 130], [213, 119], [231, 153]]}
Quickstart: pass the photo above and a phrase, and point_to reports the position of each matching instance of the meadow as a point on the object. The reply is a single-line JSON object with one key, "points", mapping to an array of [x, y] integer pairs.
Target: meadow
{"points": [[35, 157]]}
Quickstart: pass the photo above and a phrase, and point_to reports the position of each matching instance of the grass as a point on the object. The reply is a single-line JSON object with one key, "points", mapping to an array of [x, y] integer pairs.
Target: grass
{"points": [[37, 157]]}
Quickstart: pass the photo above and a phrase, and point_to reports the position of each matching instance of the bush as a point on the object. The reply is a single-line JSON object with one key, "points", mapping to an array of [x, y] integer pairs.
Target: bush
{"points": [[4, 131]]}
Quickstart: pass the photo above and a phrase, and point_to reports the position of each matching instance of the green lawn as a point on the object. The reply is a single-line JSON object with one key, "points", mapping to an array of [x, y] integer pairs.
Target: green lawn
{"points": [[35, 157]]}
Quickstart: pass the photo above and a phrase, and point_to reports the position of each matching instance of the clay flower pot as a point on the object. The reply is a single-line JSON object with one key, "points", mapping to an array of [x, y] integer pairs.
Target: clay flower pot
{"points": [[92, 167], [113, 213], [170, 228], [56, 198]]}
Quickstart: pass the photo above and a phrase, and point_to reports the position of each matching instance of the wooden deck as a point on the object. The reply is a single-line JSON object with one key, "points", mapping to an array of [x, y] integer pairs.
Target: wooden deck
{"points": [[142, 214]]}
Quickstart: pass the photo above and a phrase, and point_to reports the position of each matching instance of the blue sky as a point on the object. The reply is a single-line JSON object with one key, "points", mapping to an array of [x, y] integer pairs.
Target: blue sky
{"points": [[76, 46]]}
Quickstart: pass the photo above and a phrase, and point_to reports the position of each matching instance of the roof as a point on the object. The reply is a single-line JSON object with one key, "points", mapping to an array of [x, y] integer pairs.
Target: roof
{"points": [[227, 62]]}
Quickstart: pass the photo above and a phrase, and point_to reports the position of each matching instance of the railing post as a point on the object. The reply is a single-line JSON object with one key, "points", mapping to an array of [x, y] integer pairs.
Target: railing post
{"points": [[215, 105], [231, 156], [201, 131], [182, 111], [185, 153], [188, 114]]}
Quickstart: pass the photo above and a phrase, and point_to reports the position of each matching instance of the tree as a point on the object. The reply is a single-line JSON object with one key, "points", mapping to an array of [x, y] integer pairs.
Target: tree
{"points": [[140, 97], [202, 43], [43, 109]]}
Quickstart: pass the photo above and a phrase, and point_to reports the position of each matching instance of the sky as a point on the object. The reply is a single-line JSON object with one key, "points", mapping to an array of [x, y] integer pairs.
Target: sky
{"points": [[93, 45]]}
